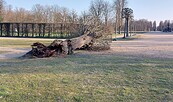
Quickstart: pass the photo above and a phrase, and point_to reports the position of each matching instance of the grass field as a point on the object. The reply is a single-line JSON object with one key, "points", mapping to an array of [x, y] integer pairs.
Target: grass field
{"points": [[86, 77], [24, 42]]}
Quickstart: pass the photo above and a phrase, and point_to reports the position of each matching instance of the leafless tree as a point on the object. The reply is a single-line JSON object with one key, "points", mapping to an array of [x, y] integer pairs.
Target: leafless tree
{"points": [[8, 14], [73, 17], [107, 12], [96, 10], [47, 14], [141, 25], [1, 9], [57, 14], [118, 6], [84, 17], [100, 14], [21, 15], [65, 13], [37, 11]]}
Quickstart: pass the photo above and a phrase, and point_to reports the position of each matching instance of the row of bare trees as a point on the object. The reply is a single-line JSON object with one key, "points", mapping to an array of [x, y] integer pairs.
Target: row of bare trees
{"points": [[100, 11], [39, 14], [142, 25]]}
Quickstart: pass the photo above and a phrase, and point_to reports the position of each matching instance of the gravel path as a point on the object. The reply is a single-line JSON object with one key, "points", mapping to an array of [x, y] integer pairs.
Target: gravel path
{"points": [[153, 45]]}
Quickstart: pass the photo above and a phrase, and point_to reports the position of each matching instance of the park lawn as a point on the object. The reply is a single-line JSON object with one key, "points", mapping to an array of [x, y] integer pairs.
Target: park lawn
{"points": [[90, 78], [23, 42], [84, 77]]}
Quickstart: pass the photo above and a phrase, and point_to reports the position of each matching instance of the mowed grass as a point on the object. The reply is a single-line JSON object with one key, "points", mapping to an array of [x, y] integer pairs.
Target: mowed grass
{"points": [[86, 78], [23, 42]]}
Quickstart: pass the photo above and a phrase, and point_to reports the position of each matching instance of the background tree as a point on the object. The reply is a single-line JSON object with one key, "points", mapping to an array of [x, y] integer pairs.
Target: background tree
{"points": [[100, 12], [37, 11], [57, 15], [171, 25], [154, 26], [161, 26], [96, 11], [8, 14], [119, 5], [127, 13], [84, 18], [65, 14], [1, 9], [107, 12], [73, 17], [150, 26], [141, 25], [21, 15]]}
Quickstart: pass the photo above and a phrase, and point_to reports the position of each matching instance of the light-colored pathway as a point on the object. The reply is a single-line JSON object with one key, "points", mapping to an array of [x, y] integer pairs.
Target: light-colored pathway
{"points": [[152, 44]]}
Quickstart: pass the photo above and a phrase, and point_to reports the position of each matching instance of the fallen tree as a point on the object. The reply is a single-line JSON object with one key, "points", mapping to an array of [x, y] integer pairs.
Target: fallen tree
{"points": [[88, 41]]}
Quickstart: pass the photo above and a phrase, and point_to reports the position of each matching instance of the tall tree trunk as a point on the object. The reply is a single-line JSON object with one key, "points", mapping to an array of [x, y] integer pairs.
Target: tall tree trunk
{"points": [[127, 27]]}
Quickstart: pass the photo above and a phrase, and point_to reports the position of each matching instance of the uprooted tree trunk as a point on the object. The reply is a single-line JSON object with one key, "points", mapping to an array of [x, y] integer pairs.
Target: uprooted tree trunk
{"points": [[88, 41]]}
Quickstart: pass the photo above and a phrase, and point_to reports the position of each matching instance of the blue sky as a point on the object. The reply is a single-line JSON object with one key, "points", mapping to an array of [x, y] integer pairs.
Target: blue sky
{"points": [[152, 9], [143, 9]]}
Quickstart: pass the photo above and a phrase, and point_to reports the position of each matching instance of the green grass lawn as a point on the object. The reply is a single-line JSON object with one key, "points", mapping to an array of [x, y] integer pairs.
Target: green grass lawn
{"points": [[22, 42], [89, 78]]}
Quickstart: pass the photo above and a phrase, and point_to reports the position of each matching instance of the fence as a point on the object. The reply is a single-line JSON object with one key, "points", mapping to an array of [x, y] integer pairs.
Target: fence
{"points": [[40, 30]]}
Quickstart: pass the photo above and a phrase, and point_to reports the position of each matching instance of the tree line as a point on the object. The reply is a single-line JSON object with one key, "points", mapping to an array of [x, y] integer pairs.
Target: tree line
{"points": [[164, 25], [100, 12]]}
